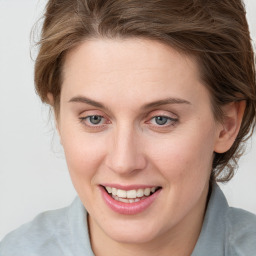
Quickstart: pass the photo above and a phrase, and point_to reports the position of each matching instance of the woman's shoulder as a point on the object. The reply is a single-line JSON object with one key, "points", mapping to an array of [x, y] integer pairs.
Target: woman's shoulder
{"points": [[226, 230], [240, 219], [241, 228], [50, 233], [35, 236], [237, 225]]}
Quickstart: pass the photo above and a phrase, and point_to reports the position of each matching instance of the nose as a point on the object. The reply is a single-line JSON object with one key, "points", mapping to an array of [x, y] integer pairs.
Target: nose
{"points": [[125, 153]]}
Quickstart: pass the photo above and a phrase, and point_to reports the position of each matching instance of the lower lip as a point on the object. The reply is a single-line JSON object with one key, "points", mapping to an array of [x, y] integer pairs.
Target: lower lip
{"points": [[128, 208]]}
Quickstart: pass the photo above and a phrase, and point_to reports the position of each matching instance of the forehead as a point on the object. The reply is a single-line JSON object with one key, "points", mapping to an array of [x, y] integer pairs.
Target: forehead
{"points": [[128, 68], [127, 54]]}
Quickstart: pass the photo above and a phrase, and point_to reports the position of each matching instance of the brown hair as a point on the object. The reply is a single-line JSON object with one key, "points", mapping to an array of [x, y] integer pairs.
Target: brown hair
{"points": [[215, 32]]}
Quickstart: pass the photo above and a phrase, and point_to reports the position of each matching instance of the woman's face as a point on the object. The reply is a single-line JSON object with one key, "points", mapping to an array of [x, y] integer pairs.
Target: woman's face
{"points": [[135, 116]]}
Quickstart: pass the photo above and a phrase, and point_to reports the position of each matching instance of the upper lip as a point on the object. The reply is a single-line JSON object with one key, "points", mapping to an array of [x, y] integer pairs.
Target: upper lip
{"points": [[128, 187]]}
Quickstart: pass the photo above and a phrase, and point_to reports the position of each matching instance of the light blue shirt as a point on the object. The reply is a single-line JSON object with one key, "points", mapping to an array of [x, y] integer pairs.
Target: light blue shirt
{"points": [[226, 231]]}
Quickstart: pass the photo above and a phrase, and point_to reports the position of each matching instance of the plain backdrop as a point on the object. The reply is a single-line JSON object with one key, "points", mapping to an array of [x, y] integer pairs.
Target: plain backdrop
{"points": [[33, 173]]}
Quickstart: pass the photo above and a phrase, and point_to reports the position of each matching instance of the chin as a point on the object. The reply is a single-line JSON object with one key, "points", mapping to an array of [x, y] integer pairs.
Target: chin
{"points": [[131, 232], [132, 238]]}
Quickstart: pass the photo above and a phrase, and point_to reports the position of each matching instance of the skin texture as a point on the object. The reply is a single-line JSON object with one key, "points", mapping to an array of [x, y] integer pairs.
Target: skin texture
{"points": [[128, 146]]}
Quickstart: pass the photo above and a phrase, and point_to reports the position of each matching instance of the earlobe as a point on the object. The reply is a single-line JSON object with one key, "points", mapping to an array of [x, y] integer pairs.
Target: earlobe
{"points": [[229, 128]]}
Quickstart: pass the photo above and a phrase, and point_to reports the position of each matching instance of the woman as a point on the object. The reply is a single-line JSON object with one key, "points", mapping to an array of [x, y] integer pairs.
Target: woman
{"points": [[153, 101]]}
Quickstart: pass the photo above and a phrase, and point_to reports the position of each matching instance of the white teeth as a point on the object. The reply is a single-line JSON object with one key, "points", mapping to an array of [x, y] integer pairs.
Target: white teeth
{"points": [[147, 191], [133, 195], [121, 193], [153, 189], [114, 190], [140, 193], [126, 200], [116, 198], [123, 200], [109, 189]]}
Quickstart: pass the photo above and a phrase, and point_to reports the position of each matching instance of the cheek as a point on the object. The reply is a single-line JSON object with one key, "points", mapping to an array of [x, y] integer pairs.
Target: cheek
{"points": [[83, 156], [184, 156], [83, 152]]}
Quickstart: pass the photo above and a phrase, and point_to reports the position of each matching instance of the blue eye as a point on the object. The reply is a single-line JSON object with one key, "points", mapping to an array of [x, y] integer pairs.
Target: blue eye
{"points": [[95, 119], [163, 120]]}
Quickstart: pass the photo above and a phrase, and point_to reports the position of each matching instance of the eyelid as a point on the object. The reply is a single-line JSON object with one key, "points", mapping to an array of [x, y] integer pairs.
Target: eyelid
{"points": [[85, 115], [172, 119], [167, 117], [163, 113]]}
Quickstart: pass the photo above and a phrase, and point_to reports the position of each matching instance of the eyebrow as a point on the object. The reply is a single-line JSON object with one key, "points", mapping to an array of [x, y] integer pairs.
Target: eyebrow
{"points": [[82, 99], [166, 102]]}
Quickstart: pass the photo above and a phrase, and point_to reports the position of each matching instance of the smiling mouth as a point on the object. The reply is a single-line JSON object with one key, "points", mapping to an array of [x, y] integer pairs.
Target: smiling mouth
{"points": [[130, 196]]}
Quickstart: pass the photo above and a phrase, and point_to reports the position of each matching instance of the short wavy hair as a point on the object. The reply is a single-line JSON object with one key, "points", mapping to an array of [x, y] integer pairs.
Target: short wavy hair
{"points": [[214, 32]]}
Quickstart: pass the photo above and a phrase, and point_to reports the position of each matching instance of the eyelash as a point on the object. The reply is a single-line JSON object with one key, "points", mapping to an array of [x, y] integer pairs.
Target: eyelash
{"points": [[84, 121], [171, 121]]}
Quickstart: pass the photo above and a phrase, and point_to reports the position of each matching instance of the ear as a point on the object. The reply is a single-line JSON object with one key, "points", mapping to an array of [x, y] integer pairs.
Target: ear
{"points": [[229, 128]]}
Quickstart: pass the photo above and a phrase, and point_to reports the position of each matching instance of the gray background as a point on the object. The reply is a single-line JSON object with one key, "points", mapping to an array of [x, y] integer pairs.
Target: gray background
{"points": [[33, 173]]}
